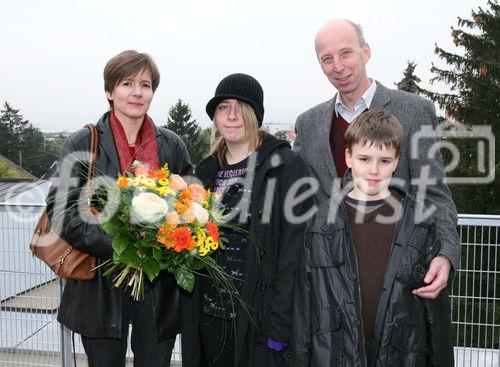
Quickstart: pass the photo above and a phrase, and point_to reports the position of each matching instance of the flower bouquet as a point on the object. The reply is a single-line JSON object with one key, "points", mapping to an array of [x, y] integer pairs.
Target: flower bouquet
{"points": [[159, 222]]}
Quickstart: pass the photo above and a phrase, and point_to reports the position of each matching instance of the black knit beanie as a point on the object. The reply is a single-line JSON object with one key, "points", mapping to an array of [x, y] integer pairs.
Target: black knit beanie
{"points": [[242, 87]]}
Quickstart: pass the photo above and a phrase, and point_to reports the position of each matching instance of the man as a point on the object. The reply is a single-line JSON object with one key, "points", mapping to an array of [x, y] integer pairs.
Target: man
{"points": [[343, 54]]}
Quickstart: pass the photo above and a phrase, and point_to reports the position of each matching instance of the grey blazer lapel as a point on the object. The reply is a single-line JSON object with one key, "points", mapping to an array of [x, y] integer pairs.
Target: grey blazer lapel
{"points": [[381, 97], [324, 138]]}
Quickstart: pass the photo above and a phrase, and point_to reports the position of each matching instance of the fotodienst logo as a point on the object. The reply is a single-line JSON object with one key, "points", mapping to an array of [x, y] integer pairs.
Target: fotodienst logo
{"points": [[473, 146]]}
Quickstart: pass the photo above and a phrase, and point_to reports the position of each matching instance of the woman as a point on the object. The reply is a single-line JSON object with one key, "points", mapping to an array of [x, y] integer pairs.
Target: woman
{"points": [[253, 171], [94, 309]]}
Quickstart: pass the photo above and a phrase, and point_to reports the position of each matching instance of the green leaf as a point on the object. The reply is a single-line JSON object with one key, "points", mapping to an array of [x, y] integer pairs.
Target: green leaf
{"points": [[152, 269], [120, 244], [129, 257], [185, 279], [111, 225], [127, 198], [157, 254]]}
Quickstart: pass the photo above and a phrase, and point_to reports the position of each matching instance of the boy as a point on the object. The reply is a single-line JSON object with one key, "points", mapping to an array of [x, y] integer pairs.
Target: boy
{"points": [[364, 255]]}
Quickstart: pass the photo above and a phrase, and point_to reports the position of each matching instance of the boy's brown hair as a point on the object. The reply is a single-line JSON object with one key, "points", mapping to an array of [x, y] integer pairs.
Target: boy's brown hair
{"points": [[375, 127], [129, 63]]}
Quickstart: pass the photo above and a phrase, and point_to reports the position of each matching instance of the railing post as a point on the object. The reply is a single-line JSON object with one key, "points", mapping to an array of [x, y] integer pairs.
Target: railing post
{"points": [[65, 337]]}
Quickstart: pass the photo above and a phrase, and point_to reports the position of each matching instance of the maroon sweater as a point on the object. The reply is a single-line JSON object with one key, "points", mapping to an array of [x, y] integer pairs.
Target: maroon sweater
{"points": [[337, 143]]}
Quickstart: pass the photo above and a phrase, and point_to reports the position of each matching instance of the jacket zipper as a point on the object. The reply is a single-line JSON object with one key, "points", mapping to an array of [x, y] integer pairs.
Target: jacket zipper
{"points": [[396, 230], [358, 298]]}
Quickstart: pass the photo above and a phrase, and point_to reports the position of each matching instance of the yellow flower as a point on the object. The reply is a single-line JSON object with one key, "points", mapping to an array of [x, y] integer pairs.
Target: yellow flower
{"points": [[150, 184], [164, 181], [165, 169], [139, 180], [169, 191], [210, 242], [161, 190], [204, 243], [203, 250]]}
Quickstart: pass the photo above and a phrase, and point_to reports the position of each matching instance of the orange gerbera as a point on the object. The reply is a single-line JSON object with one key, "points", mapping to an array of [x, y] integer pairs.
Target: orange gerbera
{"points": [[198, 193], [213, 231], [186, 195], [160, 174], [180, 207], [122, 182], [165, 234], [183, 239]]}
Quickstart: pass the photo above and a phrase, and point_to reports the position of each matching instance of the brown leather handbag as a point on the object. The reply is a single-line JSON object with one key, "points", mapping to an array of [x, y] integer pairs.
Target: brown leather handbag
{"points": [[65, 260]]}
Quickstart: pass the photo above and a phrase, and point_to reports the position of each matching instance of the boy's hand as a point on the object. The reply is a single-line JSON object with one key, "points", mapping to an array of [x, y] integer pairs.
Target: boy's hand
{"points": [[436, 278]]}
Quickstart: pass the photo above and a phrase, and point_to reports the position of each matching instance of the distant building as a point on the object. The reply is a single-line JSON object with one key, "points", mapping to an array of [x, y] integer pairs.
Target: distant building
{"points": [[53, 135]]}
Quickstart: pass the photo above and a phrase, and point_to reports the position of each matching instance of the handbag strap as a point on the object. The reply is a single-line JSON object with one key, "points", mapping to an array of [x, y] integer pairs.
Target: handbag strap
{"points": [[44, 224], [94, 142]]}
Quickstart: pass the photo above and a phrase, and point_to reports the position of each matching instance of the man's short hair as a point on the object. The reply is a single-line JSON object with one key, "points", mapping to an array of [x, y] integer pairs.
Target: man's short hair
{"points": [[375, 127], [359, 32], [129, 63]]}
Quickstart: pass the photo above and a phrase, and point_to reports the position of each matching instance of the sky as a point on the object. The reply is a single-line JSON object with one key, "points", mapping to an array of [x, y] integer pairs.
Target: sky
{"points": [[52, 53]]}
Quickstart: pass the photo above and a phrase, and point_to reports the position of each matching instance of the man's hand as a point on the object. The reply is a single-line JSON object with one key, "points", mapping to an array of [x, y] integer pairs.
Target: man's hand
{"points": [[436, 278]]}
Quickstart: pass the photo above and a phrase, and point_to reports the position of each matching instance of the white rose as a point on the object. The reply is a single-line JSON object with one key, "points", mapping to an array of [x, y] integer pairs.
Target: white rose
{"points": [[148, 208], [200, 213]]}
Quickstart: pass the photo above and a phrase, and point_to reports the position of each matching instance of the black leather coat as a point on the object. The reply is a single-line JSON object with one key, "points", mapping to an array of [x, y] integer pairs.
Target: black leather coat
{"points": [[408, 330], [93, 308]]}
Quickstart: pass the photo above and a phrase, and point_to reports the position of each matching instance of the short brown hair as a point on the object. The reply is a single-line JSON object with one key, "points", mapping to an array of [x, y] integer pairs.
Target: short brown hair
{"points": [[375, 127], [129, 63]]}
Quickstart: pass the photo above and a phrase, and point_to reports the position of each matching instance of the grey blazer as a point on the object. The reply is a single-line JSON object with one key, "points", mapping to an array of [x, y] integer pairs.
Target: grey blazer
{"points": [[423, 161]]}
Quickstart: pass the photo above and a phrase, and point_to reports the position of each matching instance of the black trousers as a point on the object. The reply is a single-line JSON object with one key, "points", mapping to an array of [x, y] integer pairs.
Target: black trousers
{"points": [[148, 352], [217, 341], [218, 346]]}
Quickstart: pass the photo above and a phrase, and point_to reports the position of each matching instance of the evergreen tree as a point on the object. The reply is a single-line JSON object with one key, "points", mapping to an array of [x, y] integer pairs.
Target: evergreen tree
{"points": [[204, 143], [473, 77], [12, 125], [22, 143], [410, 81], [180, 122], [281, 134]]}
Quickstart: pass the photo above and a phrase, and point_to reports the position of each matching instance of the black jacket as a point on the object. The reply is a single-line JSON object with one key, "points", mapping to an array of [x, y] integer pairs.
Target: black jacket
{"points": [[93, 308], [408, 330], [270, 270]]}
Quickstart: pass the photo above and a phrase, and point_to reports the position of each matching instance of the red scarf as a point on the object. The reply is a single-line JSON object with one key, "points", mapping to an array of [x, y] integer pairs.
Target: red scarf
{"points": [[145, 149]]}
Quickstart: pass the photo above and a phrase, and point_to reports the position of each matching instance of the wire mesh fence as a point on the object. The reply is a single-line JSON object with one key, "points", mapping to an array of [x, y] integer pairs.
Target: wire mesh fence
{"points": [[475, 293], [29, 298]]}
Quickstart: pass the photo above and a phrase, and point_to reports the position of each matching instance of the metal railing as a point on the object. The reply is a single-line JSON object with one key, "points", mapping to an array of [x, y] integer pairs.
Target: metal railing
{"points": [[29, 297], [475, 295]]}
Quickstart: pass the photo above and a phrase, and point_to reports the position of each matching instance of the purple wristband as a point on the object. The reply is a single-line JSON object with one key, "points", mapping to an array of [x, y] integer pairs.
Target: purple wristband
{"points": [[276, 345]]}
